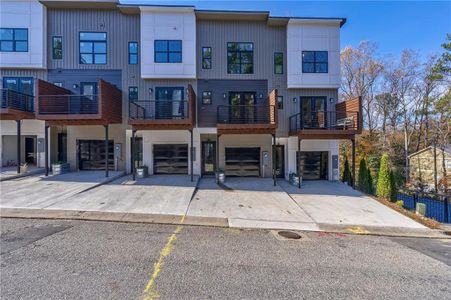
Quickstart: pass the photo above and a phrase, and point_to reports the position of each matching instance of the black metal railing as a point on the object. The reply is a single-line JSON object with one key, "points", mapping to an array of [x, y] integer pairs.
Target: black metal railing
{"points": [[246, 114], [16, 100], [68, 104], [341, 120], [158, 110]]}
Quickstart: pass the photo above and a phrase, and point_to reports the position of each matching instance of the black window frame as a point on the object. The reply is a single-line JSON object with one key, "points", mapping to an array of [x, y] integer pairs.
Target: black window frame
{"points": [[19, 83], [210, 97], [205, 58], [130, 93], [14, 40], [240, 64], [93, 53], [276, 65], [168, 51], [54, 48], [130, 53], [279, 103], [315, 62]]}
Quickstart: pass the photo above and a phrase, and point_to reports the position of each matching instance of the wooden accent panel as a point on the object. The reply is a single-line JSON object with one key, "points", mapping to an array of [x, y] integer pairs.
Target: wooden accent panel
{"points": [[192, 105], [353, 105], [14, 114], [272, 102], [110, 102]]}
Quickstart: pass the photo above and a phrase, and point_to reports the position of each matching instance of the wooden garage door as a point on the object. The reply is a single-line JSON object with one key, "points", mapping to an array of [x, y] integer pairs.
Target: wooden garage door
{"points": [[170, 159], [242, 161]]}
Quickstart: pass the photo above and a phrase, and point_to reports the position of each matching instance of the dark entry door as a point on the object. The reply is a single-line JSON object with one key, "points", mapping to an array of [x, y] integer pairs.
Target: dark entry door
{"points": [[169, 103], [170, 159], [242, 107], [62, 146], [91, 155], [242, 161], [313, 112], [314, 165], [280, 161], [208, 158], [29, 150]]}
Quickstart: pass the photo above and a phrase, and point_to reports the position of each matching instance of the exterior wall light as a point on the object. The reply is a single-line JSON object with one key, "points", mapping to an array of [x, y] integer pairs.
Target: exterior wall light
{"points": [[150, 91], [295, 99], [224, 96], [75, 86]]}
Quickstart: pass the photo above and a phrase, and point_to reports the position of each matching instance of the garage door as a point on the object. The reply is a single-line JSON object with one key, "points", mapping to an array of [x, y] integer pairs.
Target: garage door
{"points": [[170, 159], [91, 155], [314, 165], [242, 161]]}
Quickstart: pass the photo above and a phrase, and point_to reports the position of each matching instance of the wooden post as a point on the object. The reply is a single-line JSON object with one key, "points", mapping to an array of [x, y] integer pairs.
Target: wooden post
{"points": [[353, 162], [274, 158], [106, 150], [18, 146], [191, 156], [46, 149], [133, 155], [217, 152]]}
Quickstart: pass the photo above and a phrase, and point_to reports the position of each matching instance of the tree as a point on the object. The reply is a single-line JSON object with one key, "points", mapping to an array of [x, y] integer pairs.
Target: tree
{"points": [[370, 187], [347, 176], [384, 179], [443, 66], [393, 189], [362, 180]]}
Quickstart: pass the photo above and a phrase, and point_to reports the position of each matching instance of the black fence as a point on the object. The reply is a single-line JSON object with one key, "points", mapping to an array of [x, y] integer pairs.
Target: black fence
{"points": [[438, 207], [158, 110], [16, 100], [342, 120], [246, 114], [68, 104]]}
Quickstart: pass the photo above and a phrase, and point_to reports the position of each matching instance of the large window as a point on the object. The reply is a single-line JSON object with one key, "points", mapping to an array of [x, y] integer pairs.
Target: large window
{"points": [[19, 84], [278, 63], [13, 40], [133, 53], [240, 58], [168, 51], [314, 62], [93, 48], [206, 57], [57, 47], [132, 93]]}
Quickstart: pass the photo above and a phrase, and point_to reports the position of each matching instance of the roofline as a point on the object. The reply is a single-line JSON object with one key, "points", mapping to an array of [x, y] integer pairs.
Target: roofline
{"points": [[430, 147]]}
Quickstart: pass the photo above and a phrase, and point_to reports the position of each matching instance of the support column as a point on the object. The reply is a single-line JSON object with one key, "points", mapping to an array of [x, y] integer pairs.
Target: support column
{"points": [[46, 149], [106, 150], [299, 162], [274, 158], [217, 152], [19, 137], [133, 155], [191, 156], [353, 162]]}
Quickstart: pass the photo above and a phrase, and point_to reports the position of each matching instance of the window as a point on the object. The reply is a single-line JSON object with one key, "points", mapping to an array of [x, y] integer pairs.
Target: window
{"points": [[206, 98], [280, 102], [19, 84], [133, 53], [132, 93], [278, 63], [58, 83], [93, 48], [168, 51], [57, 47], [240, 58], [206, 57], [13, 40], [314, 62]]}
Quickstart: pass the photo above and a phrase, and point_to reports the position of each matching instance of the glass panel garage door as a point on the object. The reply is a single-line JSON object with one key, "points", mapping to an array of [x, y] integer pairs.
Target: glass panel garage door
{"points": [[242, 161], [91, 155], [314, 165], [170, 159]]}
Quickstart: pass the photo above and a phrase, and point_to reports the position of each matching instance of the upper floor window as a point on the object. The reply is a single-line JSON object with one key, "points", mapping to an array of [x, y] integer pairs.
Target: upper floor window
{"points": [[133, 53], [93, 48], [23, 85], [240, 58], [168, 51], [206, 57], [314, 62], [57, 47], [278, 63], [132, 93], [13, 40]]}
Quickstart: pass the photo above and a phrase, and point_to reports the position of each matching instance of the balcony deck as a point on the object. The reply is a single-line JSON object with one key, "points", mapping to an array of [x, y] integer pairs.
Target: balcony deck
{"points": [[59, 106], [163, 114], [16, 105]]}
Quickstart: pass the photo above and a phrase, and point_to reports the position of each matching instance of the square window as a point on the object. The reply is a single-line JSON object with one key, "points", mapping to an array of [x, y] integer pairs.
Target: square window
{"points": [[13, 40], [240, 58], [93, 48], [314, 61], [206, 98], [168, 51]]}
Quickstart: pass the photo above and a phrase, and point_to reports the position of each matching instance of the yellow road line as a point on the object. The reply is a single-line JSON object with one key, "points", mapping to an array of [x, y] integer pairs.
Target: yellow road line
{"points": [[357, 230], [149, 292]]}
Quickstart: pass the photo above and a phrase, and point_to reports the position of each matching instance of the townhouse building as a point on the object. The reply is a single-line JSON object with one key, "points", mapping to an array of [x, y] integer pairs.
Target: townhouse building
{"points": [[111, 86]]}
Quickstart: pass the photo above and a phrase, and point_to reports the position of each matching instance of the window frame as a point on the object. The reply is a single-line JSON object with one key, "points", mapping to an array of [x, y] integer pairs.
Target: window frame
{"points": [[279, 103], [315, 62], [19, 83], [137, 93], [93, 53], [206, 58], [59, 84], [53, 47], [203, 98], [240, 63], [155, 52], [130, 53], [275, 65], [14, 41]]}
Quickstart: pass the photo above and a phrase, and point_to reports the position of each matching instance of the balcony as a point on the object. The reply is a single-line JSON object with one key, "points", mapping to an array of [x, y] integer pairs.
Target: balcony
{"points": [[342, 123], [59, 106], [163, 114], [16, 105], [248, 119]]}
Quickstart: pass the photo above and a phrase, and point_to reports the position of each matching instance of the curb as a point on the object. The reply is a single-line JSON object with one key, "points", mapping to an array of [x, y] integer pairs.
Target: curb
{"points": [[36, 172]]}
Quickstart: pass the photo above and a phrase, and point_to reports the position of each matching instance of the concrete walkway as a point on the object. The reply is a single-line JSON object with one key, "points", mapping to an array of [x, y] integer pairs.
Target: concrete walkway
{"points": [[9, 173]]}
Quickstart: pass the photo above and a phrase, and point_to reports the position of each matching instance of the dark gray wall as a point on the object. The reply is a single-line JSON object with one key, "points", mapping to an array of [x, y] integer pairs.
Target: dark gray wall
{"points": [[207, 113], [71, 77]]}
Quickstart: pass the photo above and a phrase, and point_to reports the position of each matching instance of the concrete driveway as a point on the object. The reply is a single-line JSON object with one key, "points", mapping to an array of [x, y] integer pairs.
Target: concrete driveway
{"points": [[41, 192], [250, 203], [334, 203], [158, 194]]}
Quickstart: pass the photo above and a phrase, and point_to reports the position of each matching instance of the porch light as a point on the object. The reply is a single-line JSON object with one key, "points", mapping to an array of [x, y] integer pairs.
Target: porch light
{"points": [[331, 100], [150, 91], [224, 96], [261, 96], [75, 86], [295, 99]]}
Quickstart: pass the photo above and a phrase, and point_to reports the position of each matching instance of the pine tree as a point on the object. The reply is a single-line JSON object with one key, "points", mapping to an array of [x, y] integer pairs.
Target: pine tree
{"points": [[370, 187], [347, 176], [384, 185], [362, 182], [393, 189]]}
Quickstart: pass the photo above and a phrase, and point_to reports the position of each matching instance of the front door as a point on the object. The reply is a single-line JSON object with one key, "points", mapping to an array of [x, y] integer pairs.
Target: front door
{"points": [[62, 147], [208, 158], [280, 161], [88, 103], [29, 150], [313, 112], [242, 107], [169, 103]]}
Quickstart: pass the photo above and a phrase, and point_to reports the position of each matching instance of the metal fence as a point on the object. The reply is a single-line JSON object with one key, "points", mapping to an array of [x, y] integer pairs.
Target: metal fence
{"points": [[16, 100], [158, 110], [438, 207], [246, 114], [68, 104], [342, 120]]}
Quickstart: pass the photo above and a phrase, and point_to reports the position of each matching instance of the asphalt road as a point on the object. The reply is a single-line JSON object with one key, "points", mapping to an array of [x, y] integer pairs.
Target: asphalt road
{"points": [[45, 259]]}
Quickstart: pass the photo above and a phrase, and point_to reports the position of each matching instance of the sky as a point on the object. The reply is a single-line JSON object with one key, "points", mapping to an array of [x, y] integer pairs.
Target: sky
{"points": [[393, 25]]}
